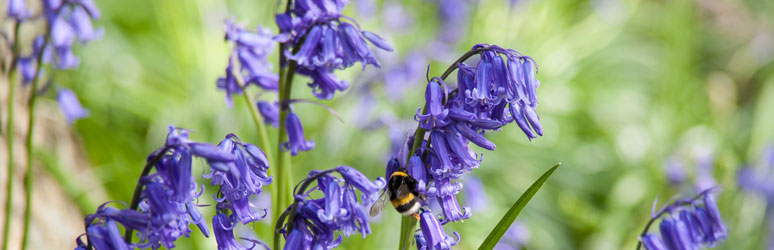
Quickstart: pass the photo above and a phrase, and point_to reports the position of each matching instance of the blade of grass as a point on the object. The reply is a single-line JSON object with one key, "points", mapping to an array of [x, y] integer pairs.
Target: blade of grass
{"points": [[510, 216]]}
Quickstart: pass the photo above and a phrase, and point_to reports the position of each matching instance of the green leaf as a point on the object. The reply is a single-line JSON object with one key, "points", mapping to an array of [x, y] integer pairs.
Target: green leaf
{"points": [[407, 225], [510, 216]]}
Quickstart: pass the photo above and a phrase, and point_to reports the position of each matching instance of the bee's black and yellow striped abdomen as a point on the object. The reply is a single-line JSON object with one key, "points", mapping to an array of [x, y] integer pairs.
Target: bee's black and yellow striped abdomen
{"points": [[403, 193]]}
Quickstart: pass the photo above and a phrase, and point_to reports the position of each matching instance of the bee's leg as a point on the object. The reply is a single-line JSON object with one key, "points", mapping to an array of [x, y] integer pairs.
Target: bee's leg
{"points": [[416, 215]]}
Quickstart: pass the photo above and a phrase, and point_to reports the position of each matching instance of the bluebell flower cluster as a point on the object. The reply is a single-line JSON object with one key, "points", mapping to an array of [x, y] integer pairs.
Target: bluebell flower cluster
{"points": [[168, 204], [251, 48], [500, 89], [314, 223], [68, 22], [324, 41], [687, 224], [240, 179]]}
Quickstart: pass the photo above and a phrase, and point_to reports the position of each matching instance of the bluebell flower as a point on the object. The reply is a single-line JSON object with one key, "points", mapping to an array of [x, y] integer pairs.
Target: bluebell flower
{"points": [[106, 236], [241, 179], [251, 50], [169, 219], [224, 234], [325, 42], [688, 224], [17, 9], [324, 82], [436, 116], [26, 66], [653, 242], [70, 106], [269, 112], [446, 194], [317, 221], [418, 171], [102, 227], [296, 141], [433, 233], [70, 22], [421, 243], [81, 22]]}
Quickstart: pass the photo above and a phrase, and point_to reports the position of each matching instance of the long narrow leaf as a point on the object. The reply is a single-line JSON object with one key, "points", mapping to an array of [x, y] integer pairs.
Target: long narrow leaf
{"points": [[512, 213]]}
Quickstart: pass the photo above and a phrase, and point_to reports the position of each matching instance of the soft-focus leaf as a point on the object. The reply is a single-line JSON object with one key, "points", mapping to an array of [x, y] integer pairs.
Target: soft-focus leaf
{"points": [[510, 216]]}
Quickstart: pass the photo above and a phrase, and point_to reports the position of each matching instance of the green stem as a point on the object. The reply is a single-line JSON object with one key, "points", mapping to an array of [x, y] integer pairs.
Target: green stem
{"points": [[283, 158], [28, 177], [9, 136], [278, 198], [407, 224]]}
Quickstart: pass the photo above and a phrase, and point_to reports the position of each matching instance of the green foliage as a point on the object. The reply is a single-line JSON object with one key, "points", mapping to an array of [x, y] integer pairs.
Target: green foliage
{"points": [[499, 230]]}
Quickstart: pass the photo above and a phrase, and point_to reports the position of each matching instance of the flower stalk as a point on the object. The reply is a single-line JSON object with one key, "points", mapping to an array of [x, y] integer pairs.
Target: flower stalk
{"points": [[9, 135], [283, 158], [28, 177]]}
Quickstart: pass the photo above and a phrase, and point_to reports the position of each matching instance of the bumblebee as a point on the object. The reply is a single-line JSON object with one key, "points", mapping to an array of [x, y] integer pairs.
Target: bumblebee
{"points": [[403, 195]]}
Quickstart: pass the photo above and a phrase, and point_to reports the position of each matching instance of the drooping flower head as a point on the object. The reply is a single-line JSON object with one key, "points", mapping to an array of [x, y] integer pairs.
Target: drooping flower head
{"points": [[223, 227], [17, 9], [687, 224], [499, 89], [68, 22], [70, 106], [168, 203], [315, 222], [251, 48], [322, 40], [296, 140], [240, 179], [432, 235]]}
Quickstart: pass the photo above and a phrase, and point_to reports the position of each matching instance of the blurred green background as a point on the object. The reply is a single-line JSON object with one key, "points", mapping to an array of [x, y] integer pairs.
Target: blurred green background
{"points": [[625, 86]]}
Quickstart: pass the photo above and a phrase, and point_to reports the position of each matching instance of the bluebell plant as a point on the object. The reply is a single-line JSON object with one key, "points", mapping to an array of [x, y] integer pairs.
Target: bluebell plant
{"points": [[64, 22], [313, 223], [166, 202], [689, 223]]}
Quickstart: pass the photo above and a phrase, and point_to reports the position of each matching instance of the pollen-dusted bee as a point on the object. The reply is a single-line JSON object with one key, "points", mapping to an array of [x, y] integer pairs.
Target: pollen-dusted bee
{"points": [[402, 192]]}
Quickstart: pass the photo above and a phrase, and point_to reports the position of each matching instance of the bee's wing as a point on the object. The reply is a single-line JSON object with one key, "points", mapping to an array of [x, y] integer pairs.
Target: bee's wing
{"points": [[376, 208]]}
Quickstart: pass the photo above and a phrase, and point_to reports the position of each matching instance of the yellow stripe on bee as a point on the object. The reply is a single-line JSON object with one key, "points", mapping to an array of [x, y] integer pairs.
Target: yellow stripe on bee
{"points": [[402, 200], [398, 173]]}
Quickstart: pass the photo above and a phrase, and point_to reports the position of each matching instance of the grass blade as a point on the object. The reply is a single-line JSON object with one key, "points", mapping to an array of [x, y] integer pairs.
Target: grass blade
{"points": [[512, 213]]}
